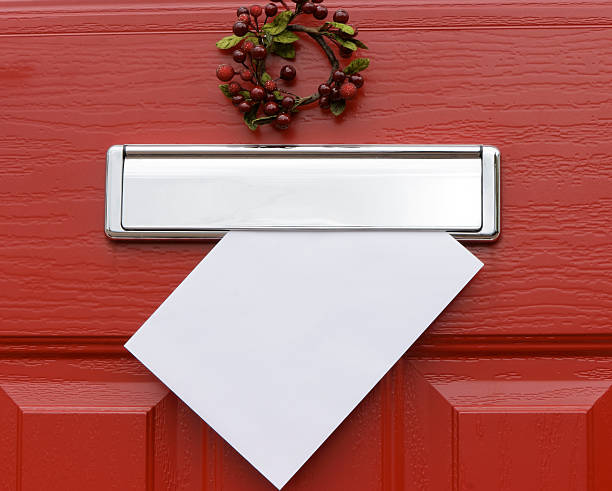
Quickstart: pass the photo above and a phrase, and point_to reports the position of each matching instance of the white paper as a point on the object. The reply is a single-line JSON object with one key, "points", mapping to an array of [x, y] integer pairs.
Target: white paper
{"points": [[275, 337]]}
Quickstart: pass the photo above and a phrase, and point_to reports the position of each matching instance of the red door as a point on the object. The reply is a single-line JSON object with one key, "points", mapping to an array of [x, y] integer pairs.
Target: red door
{"points": [[509, 389]]}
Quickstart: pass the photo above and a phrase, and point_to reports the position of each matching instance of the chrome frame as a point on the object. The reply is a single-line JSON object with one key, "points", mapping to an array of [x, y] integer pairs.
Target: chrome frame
{"points": [[490, 158]]}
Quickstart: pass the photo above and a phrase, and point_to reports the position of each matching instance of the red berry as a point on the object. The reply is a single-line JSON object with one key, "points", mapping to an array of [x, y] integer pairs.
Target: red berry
{"points": [[258, 93], [240, 28], [283, 121], [259, 52], [335, 94], [271, 108], [324, 102], [246, 74], [270, 97], [270, 85], [247, 46], [288, 102], [246, 18], [234, 88], [225, 73], [237, 99], [346, 52], [242, 10], [324, 89], [339, 76], [245, 107], [239, 56], [288, 72], [357, 80], [341, 16], [308, 8], [320, 12], [256, 10], [348, 90], [271, 10]]}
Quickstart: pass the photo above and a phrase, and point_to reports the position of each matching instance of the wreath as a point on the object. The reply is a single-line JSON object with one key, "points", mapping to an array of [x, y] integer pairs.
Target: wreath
{"points": [[264, 99]]}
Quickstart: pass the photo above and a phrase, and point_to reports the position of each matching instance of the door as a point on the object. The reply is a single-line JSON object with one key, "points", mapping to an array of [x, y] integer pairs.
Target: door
{"points": [[509, 389]]}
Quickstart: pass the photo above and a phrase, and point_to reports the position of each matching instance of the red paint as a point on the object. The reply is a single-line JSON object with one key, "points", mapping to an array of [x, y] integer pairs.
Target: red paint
{"points": [[509, 389]]}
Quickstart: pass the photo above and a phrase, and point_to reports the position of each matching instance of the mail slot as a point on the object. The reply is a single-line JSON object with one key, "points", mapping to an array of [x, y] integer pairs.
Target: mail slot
{"points": [[203, 191]]}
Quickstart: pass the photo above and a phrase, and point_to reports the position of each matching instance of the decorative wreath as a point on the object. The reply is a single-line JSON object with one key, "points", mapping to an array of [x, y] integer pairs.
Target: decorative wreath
{"points": [[258, 95]]}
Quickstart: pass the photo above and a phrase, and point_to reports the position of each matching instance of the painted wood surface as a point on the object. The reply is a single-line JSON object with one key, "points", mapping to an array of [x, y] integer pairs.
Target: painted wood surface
{"points": [[508, 389]]}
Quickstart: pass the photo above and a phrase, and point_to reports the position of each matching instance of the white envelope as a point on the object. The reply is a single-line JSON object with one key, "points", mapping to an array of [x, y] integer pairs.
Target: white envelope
{"points": [[275, 337]]}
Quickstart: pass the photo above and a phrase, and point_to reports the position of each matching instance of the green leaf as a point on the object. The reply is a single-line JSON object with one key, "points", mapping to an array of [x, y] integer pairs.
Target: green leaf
{"points": [[279, 95], [300, 101], [338, 107], [279, 24], [264, 120], [343, 27], [286, 51], [360, 44], [265, 77], [225, 89], [251, 116], [286, 37], [229, 41], [350, 44], [357, 65]]}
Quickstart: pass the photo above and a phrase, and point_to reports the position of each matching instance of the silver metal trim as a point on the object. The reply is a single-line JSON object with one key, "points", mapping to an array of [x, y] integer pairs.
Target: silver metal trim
{"points": [[114, 191], [491, 205], [490, 158]]}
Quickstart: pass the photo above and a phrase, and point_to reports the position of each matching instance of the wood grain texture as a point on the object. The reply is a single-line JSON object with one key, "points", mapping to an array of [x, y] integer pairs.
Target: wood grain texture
{"points": [[509, 388], [542, 96], [133, 16]]}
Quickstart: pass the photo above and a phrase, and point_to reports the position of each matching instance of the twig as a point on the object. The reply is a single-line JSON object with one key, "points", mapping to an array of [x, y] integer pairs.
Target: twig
{"points": [[320, 39]]}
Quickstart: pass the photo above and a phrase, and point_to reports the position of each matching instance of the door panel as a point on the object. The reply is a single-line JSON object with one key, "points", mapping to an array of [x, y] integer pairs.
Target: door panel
{"points": [[508, 389], [519, 422], [99, 421]]}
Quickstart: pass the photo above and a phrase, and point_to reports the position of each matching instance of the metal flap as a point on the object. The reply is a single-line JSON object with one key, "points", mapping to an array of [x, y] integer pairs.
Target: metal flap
{"points": [[203, 191]]}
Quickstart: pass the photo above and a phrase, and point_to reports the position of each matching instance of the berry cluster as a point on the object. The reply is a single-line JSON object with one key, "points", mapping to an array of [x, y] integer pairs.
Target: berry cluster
{"points": [[262, 98], [344, 87]]}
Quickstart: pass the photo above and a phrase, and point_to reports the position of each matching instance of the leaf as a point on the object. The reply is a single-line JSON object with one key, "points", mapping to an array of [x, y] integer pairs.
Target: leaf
{"points": [[225, 89], [348, 44], [265, 77], [342, 42], [264, 120], [360, 44], [229, 41], [279, 24], [279, 95], [338, 107], [343, 27], [300, 101], [251, 116], [357, 65], [286, 51], [286, 37]]}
